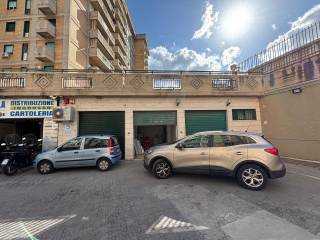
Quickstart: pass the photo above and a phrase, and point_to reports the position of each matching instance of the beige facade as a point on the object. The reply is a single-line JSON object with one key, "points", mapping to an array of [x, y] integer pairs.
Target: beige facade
{"points": [[141, 52], [75, 34]]}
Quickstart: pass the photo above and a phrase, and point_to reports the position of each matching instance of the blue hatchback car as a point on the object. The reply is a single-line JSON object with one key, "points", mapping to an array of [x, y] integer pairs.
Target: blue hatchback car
{"points": [[99, 151]]}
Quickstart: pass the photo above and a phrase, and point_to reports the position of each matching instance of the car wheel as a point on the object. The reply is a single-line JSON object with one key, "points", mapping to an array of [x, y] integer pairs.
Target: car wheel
{"points": [[104, 164], [252, 176], [45, 167], [162, 169]]}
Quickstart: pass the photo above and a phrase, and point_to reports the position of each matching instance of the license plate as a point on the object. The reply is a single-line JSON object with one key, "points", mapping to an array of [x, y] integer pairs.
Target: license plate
{"points": [[4, 162]]}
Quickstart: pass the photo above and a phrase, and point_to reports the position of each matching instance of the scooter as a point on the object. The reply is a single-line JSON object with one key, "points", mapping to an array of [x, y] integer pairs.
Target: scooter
{"points": [[20, 155]]}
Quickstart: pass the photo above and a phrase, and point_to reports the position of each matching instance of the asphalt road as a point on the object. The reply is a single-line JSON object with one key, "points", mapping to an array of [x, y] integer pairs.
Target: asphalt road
{"points": [[129, 203]]}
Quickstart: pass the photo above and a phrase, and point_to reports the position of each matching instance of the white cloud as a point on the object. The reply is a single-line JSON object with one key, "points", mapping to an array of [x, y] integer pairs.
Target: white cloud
{"points": [[209, 18], [229, 55], [187, 59], [310, 17], [274, 27]]}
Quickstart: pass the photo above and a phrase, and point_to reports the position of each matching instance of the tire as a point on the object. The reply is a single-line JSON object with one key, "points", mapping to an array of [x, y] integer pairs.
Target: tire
{"points": [[252, 177], [9, 169], [104, 164], [45, 167], [162, 169]]}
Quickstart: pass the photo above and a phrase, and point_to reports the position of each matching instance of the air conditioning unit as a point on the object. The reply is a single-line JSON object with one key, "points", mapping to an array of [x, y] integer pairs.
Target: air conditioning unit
{"points": [[6, 54], [63, 114]]}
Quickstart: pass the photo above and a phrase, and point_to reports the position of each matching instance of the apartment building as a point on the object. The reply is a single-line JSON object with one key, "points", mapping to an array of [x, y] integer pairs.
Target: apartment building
{"points": [[68, 34]]}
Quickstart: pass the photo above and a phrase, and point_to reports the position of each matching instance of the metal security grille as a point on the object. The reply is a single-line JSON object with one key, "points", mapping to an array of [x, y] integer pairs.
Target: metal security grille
{"points": [[152, 118], [77, 83], [280, 49], [8, 82], [167, 84]]}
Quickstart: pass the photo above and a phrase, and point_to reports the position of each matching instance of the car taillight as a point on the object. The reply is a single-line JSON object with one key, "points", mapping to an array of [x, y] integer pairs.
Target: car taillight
{"points": [[110, 144], [272, 151]]}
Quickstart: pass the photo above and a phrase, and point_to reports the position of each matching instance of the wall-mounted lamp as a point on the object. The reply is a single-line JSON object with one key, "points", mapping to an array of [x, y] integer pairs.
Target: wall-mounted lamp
{"points": [[228, 102], [178, 101]]}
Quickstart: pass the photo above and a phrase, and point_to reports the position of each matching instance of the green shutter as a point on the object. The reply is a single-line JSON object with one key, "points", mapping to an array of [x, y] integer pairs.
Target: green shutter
{"points": [[152, 118], [198, 121], [103, 123]]}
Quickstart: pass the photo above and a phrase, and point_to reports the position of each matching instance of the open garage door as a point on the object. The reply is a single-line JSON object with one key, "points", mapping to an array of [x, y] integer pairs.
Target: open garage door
{"points": [[103, 123], [198, 121]]}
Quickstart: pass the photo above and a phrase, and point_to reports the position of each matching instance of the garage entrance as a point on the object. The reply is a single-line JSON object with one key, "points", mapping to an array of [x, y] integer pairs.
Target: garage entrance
{"points": [[198, 121], [21, 127], [103, 123], [152, 128]]}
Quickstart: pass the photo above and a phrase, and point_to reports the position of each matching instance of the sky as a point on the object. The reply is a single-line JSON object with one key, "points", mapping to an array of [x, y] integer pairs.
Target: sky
{"points": [[212, 34]]}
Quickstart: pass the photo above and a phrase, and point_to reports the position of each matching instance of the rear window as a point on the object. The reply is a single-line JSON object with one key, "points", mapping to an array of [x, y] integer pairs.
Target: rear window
{"points": [[231, 140]]}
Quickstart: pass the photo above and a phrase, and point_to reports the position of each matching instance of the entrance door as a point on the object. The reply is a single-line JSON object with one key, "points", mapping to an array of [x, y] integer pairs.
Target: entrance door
{"points": [[199, 121], [194, 155]]}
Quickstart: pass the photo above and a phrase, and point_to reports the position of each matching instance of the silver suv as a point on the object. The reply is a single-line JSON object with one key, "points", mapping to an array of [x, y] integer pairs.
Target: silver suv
{"points": [[100, 151], [249, 157]]}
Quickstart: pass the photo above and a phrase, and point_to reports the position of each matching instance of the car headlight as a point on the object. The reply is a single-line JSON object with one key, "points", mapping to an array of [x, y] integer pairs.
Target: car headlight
{"points": [[149, 151]]}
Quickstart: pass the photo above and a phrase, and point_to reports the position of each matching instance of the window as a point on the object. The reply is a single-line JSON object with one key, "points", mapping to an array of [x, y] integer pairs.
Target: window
{"points": [[24, 54], [95, 143], [50, 45], [48, 68], [200, 141], [27, 7], [166, 83], [244, 114], [12, 4], [53, 21], [10, 26], [8, 49], [228, 140], [73, 144], [26, 29]]}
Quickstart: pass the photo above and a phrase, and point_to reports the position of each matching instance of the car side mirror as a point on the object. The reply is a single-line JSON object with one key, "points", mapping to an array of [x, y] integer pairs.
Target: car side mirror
{"points": [[59, 149], [180, 146]]}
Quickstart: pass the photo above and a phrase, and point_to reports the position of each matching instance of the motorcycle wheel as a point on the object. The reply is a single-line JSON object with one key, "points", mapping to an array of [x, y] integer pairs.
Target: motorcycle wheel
{"points": [[9, 169]]}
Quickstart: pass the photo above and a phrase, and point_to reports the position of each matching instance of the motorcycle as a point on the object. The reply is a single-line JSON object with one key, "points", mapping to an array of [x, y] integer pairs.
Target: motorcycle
{"points": [[19, 154]]}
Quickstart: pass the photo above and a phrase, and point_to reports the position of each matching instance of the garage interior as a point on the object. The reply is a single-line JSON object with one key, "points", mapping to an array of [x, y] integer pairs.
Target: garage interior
{"points": [[153, 128], [21, 127]]}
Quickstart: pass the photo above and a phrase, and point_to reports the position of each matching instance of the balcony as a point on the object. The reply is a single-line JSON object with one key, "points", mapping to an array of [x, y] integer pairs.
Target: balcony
{"points": [[48, 7], [46, 29], [97, 40], [121, 55], [119, 41], [121, 32], [100, 23], [97, 58], [120, 17], [117, 65], [105, 12], [45, 54]]}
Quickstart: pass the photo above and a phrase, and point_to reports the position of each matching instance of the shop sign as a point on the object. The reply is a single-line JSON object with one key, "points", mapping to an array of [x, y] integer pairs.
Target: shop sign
{"points": [[26, 108]]}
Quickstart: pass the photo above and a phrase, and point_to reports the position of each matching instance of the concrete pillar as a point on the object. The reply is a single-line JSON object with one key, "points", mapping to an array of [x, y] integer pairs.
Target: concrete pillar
{"points": [[229, 120], [50, 134], [181, 124], [68, 130], [129, 135]]}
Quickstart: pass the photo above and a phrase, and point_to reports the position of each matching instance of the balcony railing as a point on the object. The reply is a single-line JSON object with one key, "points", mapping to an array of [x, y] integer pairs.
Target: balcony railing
{"points": [[226, 84], [167, 84], [45, 54], [12, 82], [46, 29], [77, 83]]}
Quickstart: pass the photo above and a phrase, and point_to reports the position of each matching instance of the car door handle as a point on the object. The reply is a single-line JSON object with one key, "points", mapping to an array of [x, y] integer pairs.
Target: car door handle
{"points": [[203, 153], [239, 153], [98, 151], [75, 152]]}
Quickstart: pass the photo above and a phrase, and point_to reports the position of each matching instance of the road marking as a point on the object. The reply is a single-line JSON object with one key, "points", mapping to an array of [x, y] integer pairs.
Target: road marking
{"points": [[299, 159], [166, 225], [309, 176], [28, 228]]}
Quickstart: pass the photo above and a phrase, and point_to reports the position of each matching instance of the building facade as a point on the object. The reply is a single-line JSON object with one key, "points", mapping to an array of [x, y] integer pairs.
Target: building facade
{"points": [[150, 107], [61, 34]]}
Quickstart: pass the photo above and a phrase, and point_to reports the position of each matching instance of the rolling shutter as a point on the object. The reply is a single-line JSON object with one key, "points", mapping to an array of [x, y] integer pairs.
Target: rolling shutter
{"points": [[198, 121], [103, 123], [153, 118]]}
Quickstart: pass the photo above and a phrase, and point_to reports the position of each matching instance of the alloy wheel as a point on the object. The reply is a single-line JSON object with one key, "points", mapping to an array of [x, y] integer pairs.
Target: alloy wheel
{"points": [[45, 168], [252, 177], [163, 169], [104, 165]]}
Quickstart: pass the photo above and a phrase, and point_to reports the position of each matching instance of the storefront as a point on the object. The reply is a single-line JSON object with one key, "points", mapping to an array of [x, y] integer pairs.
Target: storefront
{"points": [[19, 117]]}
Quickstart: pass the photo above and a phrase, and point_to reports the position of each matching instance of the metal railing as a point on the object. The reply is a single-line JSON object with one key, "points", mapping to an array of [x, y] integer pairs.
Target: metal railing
{"points": [[12, 82], [166, 84], [226, 84], [280, 50], [75, 83]]}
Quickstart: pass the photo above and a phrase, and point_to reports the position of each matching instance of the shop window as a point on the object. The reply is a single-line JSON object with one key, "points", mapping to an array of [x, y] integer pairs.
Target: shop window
{"points": [[8, 49], [12, 4], [26, 29], [27, 7], [24, 54], [10, 26], [244, 114]]}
